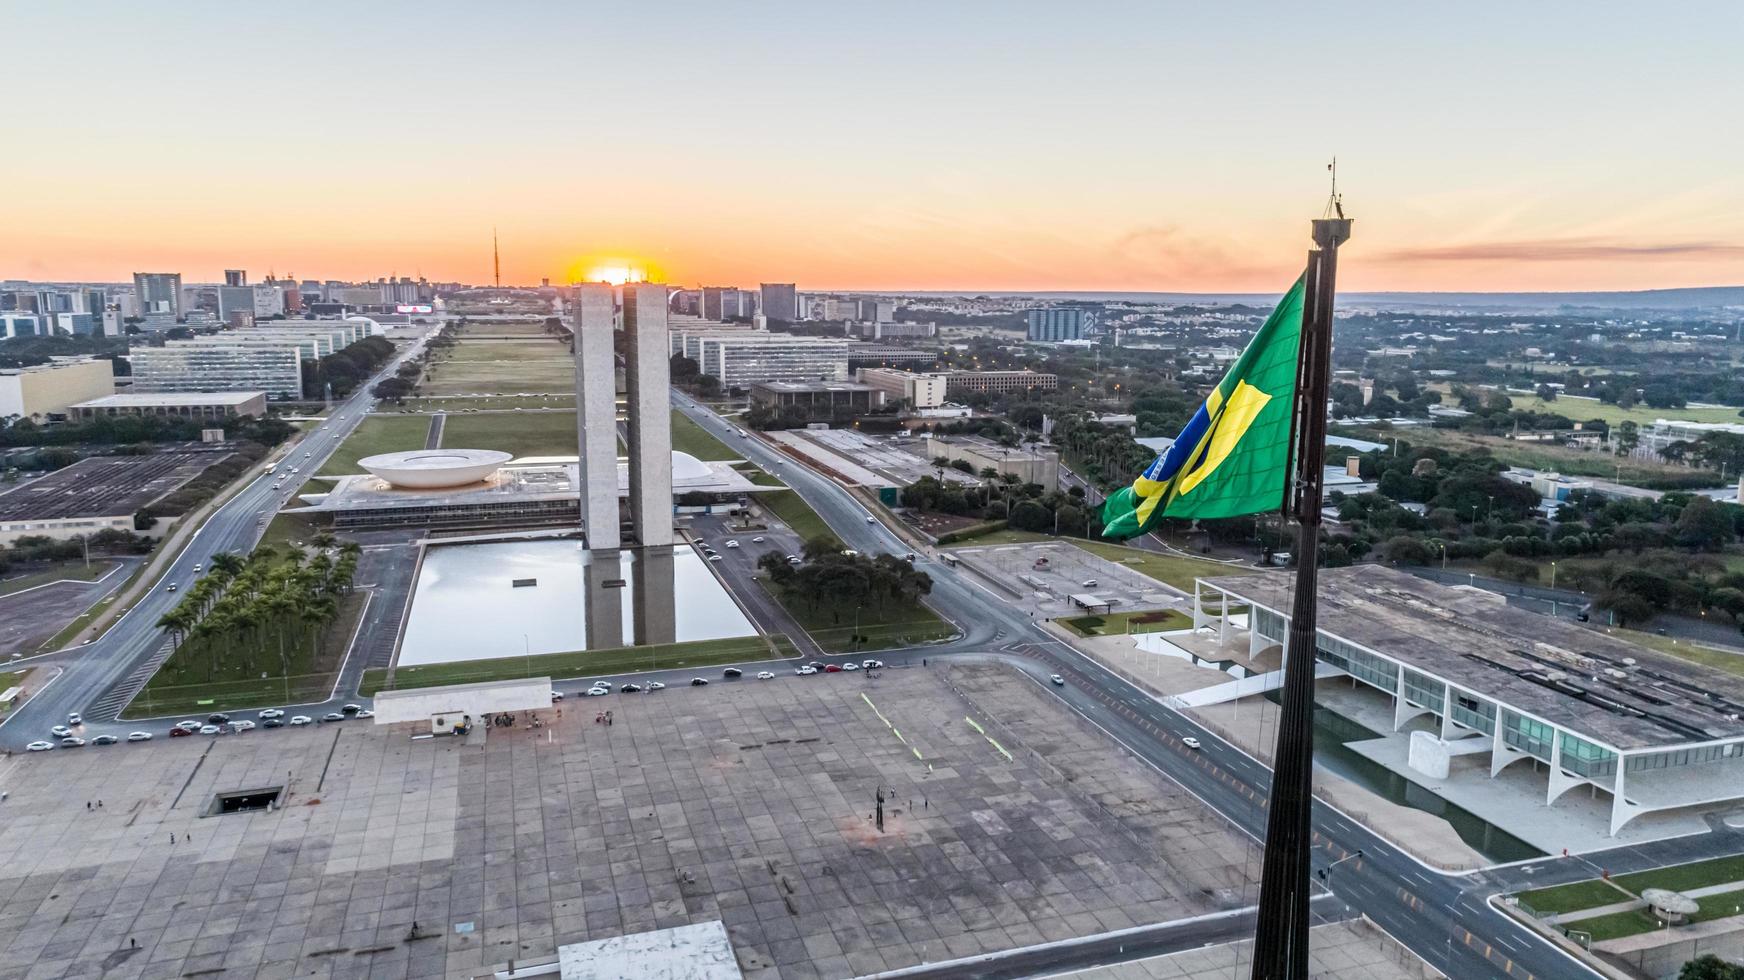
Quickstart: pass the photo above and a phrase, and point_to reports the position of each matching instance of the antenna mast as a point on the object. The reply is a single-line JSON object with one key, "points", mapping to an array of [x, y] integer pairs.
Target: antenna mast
{"points": [[496, 258]]}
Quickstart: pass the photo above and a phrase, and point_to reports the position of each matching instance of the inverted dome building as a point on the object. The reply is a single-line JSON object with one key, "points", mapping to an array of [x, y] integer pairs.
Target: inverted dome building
{"points": [[430, 469]]}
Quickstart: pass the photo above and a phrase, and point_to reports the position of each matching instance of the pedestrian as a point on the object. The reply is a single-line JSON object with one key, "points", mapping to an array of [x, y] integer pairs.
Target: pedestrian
{"points": [[188, 838], [132, 943], [87, 806], [172, 838], [99, 804]]}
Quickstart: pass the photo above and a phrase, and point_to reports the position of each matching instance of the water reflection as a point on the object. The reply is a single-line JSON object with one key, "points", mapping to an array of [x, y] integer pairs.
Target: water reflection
{"points": [[506, 598]]}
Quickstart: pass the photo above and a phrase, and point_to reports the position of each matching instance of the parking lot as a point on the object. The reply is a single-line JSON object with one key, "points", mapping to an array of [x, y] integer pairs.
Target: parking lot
{"points": [[751, 802], [1069, 571]]}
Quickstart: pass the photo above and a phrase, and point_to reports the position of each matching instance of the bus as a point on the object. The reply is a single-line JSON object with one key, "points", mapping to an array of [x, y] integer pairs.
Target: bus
{"points": [[949, 559], [272, 466]]}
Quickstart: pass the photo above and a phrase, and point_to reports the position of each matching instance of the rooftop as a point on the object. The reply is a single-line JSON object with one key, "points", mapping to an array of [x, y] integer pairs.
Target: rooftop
{"points": [[104, 486], [797, 387], [1592, 683], [172, 399]]}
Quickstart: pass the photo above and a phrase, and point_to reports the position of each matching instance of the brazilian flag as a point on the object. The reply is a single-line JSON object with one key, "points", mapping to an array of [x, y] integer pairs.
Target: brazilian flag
{"points": [[1230, 459]]}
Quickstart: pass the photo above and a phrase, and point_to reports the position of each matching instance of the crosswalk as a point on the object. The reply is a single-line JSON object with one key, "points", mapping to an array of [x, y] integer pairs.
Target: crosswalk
{"points": [[116, 698]]}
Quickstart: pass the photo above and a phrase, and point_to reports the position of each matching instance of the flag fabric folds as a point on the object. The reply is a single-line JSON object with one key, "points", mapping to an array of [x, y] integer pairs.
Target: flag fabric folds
{"points": [[1230, 459]]}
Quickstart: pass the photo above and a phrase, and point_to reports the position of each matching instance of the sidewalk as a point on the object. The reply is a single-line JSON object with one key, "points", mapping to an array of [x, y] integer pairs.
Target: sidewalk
{"points": [[1564, 918]]}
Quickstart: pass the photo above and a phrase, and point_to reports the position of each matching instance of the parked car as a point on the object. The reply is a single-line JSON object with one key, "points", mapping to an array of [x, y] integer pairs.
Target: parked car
{"points": [[1190, 742], [630, 689], [39, 746], [72, 741], [242, 725], [833, 669], [870, 519], [698, 682], [594, 692], [757, 540], [139, 736], [273, 723], [850, 665], [816, 665], [181, 732], [656, 686], [210, 729], [352, 709], [217, 718], [765, 675], [365, 713], [805, 670], [872, 664], [271, 713], [556, 696], [732, 544], [793, 559], [332, 716], [732, 672], [188, 726], [714, 557], [60, 731], [104, 740], [301, 720]]}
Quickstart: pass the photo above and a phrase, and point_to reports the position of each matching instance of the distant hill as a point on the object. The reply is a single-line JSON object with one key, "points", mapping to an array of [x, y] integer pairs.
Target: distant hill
{"points": [[1700, 297]]}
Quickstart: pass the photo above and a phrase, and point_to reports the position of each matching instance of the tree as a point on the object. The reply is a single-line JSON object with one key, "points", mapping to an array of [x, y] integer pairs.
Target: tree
{"points": [[1704, 525], [1710, 967], [1628, 437], [1546, 393], [1030, 515], [1404, 549]]}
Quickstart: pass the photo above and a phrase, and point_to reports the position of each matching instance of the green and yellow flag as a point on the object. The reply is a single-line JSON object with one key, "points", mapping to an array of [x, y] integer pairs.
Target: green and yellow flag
{"points": [[1230, 458]]}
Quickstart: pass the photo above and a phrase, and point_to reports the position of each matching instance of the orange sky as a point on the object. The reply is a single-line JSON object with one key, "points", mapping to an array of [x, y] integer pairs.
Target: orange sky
{"points": [[912, 146]]}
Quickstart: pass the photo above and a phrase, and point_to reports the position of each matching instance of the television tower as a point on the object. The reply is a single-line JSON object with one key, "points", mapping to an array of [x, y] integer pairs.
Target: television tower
{"points": [[496, 258]]}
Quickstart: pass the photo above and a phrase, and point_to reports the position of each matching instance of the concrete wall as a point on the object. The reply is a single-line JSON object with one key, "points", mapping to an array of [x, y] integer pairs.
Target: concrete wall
{"points": [[648, 378], [51, 390], [596, 402]]}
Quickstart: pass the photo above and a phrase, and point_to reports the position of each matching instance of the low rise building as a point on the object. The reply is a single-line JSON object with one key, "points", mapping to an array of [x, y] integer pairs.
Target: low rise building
{"points": [[219, 363], [1028, 465], [821, 400], [1057, 323], [188, 405], [998, 382], [49, 389], [740, 359], [918, 390], [99, 493]]}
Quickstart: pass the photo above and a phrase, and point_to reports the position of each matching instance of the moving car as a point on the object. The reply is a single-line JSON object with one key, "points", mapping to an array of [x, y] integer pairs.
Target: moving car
{"points": [[172, 587], [594, 692], [139, 736], [217, 718], [850, 665], [271, 713], [39, 746], [210, 729], [872, 664], [72, 741], [757, 540], [732, 672], [732, 544], [765, 675], [1190, 742], [793, 559], [60, 731], [630, 689], [198, 566], [180, 732], [188, 726], [301, 720], [870, 519], [242, 725], [104, 740], [656, 686], [698, 682], [1057, 679], [332, 716]]}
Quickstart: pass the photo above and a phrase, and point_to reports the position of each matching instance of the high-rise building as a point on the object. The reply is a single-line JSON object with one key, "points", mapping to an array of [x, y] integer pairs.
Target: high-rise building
{"points": [[219, 363], [647, 373], [1057, 323], [740, 359], [269, 300], [112, 322], [780, 300], [235, 277], [727, 303], [158, 292], [596, 403]]}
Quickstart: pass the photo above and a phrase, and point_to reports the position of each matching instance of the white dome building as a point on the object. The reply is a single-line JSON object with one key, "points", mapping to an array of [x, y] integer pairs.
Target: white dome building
{"points": [[435, 469]]}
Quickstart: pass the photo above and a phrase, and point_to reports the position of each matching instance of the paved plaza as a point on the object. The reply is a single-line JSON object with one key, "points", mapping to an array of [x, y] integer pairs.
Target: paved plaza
{"points": [[749, 802]]}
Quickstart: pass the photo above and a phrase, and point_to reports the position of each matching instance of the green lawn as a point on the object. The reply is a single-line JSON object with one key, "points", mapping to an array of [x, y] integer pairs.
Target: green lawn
{"points": [[893, 625], [201, 677], [1544, 456], [794, 512], [472, 352], [1006, 536], [517, 433], [507, 376], [688, 437], [1683, 877], [1171, 569], [287, 530], [581, 663], [1574, 897], [1685, 650], [63, 570], [375, 434], [1116, 624], [460, 403], [1581, 409]]}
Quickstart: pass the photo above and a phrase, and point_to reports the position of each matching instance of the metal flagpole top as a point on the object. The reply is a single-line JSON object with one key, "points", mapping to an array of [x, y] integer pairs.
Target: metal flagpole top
{"points": [[1331, 232]]}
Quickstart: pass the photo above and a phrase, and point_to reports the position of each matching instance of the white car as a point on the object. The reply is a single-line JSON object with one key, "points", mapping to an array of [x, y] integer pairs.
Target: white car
{"points": [[61, 731], [1057, 679], [872, 664], [732, 544], [210, 729], [271, 713], [714, 557], [870, 519], [807, 669], [594, 692], [302, 720], [765, 675], [139, 736], [656, 686], [365, 713], [72, 741], [850, 665], [793, 559], [757, 540], [1190, 742], [242, 725], [39, 747], [188, 726], [198, 567]]}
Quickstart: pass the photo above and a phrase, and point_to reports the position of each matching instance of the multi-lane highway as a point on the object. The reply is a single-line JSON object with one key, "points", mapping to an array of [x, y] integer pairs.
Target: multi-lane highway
{"points": [[92, 671]]}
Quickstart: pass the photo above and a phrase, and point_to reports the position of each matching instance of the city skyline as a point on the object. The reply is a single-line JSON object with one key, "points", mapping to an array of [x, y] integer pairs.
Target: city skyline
{"points": [[1140, 149]]}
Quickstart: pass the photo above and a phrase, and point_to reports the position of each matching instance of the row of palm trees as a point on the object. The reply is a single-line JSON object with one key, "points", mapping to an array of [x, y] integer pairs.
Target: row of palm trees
{"points": [[245, 609]]}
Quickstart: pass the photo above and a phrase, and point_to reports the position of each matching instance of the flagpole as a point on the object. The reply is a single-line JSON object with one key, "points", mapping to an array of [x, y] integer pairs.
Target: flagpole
{"points": [[1281, 940]]}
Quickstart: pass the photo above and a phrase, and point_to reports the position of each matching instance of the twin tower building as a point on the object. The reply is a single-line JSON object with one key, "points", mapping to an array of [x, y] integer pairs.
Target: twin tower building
{"points": [[648, 427]]}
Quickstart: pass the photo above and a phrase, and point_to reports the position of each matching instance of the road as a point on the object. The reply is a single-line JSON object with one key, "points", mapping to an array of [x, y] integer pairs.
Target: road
{"points": [[1442, 917], [90, 671]]}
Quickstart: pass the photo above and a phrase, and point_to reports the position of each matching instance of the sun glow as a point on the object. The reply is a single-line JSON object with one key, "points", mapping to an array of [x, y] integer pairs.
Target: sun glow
{"points": [[617, 275]]}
